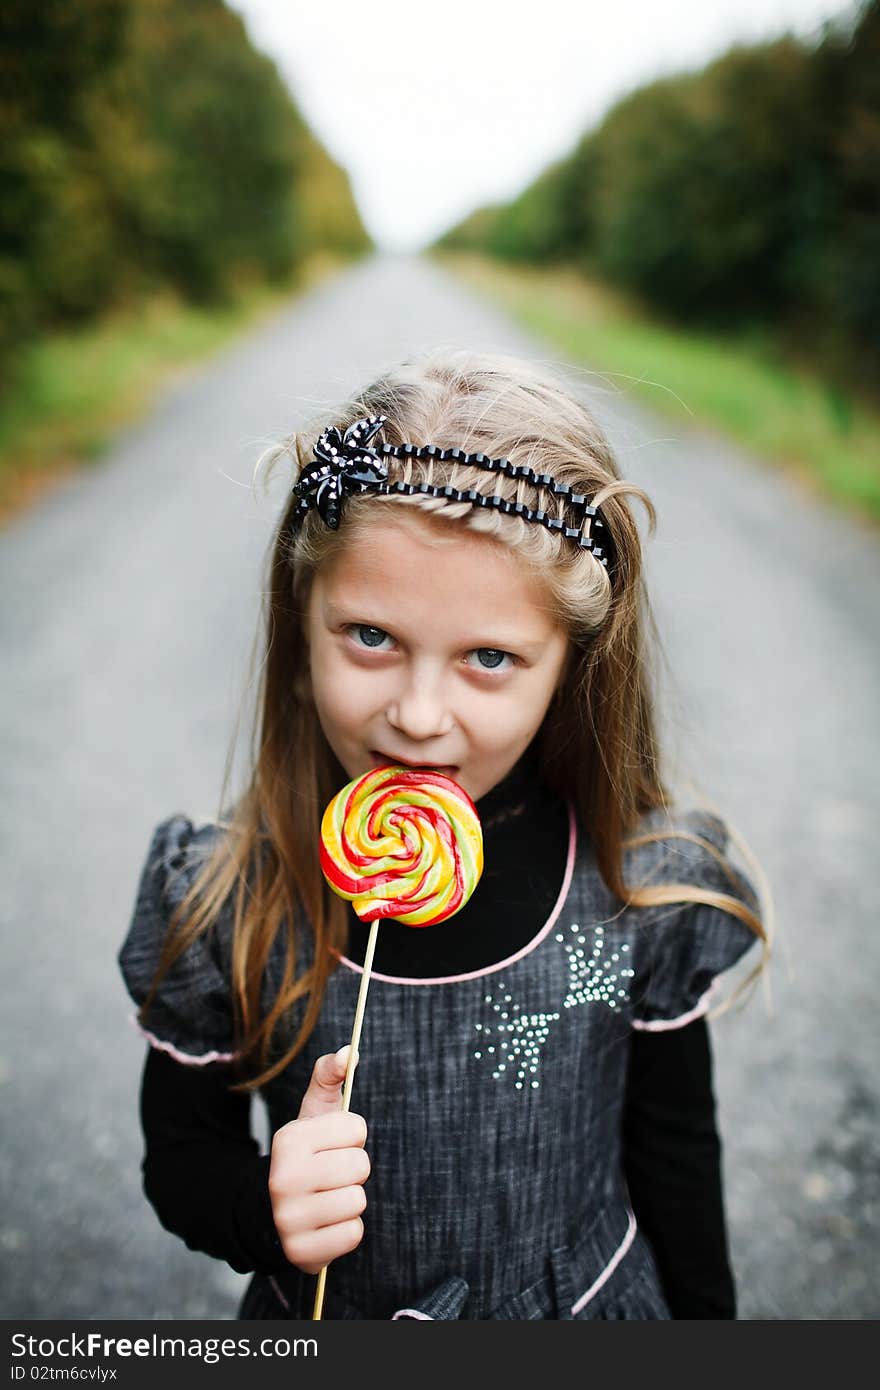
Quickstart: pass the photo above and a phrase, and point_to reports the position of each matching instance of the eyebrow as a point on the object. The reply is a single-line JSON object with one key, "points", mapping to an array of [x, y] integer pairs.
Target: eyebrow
{"points": [[359, 610]]}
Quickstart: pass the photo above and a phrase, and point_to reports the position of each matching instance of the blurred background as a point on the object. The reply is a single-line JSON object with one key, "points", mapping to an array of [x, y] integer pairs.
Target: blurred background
{"points": [[218, 219]]}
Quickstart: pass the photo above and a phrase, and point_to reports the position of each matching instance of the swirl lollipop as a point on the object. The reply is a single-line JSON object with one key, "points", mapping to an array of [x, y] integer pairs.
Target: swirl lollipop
{"points": [[398, 843], [402, 843]]}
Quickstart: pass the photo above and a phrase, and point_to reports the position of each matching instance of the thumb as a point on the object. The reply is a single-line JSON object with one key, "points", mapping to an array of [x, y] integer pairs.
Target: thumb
{"points": [[324, 1093]]}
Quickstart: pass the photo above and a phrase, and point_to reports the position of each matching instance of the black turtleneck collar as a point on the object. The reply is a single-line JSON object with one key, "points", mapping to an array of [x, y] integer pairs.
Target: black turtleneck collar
{"points": [[525, 844]]}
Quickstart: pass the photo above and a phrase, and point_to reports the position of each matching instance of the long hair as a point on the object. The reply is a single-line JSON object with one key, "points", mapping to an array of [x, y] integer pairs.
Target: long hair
{"points": [[598, 742]]}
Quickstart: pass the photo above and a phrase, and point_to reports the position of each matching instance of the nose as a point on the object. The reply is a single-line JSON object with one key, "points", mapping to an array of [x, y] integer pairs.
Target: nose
{"points": [[419, 711]]}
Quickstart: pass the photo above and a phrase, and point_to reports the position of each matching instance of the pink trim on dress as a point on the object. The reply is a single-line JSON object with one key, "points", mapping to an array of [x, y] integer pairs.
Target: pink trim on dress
{"points": [[661, 1025], [609, 1268], [188, 1058], [411, 1313], [510, 960]]}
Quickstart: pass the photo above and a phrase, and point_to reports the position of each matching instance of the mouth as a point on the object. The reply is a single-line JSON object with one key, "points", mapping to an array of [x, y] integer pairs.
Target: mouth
{"points": [[385, 759]]}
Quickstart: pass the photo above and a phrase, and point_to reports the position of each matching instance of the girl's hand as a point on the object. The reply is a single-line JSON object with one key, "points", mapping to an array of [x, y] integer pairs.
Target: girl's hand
{"points": [[316, 1173]]}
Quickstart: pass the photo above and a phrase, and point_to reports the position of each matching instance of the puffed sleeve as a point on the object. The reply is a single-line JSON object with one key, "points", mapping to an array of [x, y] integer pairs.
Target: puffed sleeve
{"points": [[191, 1016], [688, 957]]}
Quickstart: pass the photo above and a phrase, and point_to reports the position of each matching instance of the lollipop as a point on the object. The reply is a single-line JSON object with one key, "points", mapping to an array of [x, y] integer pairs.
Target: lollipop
{"points": [[403, 843]]}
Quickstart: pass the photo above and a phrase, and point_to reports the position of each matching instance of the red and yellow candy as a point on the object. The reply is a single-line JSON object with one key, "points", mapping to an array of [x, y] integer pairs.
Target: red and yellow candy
{"points": [[403, 843]]}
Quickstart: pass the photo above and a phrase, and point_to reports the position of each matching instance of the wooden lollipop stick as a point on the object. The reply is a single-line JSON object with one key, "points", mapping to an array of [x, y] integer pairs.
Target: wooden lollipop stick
{"points": [[389, 801], [349, 1074]]}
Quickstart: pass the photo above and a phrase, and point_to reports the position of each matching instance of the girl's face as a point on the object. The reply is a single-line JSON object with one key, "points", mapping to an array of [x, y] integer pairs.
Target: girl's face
{"points": [[431, 651]]}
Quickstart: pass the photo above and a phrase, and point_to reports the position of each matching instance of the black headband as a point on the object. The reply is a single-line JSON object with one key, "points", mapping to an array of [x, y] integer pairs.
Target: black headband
{"points": [[343, 465]]}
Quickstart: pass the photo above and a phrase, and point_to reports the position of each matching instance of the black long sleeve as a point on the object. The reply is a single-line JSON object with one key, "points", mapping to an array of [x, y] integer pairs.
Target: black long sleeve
{"points": [[202, 1168], [205, 1177], [672, 1162]]}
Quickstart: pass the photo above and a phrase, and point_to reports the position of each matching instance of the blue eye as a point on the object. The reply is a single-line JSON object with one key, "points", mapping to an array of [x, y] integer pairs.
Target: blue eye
{"points": [[491, 658], [368, 636]]}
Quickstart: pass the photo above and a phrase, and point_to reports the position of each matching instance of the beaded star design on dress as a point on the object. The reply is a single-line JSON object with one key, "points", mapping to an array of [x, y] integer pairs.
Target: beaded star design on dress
{"points": [[512, 1039], [594, 978]]}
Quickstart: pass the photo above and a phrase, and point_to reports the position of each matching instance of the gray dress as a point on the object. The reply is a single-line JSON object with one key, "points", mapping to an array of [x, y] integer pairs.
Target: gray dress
{"points": [[493, 1099]]}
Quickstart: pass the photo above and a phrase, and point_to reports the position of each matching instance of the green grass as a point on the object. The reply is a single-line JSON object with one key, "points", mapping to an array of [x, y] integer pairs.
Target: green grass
{"points": [[742, 386], [74, 391]]}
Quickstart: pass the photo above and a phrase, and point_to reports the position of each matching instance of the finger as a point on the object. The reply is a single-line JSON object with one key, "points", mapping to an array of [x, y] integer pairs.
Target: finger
{"points": [[322, 1209], [337, 1168], [324, 1095], [313, 1249]]}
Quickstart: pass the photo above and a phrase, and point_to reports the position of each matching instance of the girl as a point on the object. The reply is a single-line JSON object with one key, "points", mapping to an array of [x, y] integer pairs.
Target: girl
{"points": [[455, 583]]}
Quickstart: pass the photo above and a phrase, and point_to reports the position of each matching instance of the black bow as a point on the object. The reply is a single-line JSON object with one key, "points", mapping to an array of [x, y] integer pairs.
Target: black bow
{"points": [[342, 465]]}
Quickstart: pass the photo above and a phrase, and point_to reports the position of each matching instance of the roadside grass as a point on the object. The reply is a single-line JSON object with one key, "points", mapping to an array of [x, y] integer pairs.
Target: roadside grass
{"points": [[74, 391], [741, 385]]}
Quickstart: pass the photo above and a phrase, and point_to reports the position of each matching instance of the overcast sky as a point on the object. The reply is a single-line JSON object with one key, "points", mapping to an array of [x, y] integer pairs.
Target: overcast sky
{"points": [[437, 109]]}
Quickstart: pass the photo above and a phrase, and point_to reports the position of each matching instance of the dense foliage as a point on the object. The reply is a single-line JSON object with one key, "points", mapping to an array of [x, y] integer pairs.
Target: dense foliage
{"points": [[148, 144], [748, 192]]}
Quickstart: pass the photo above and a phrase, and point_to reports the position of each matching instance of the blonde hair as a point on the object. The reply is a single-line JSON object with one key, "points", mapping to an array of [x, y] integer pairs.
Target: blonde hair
{"points": [[598, 742]]}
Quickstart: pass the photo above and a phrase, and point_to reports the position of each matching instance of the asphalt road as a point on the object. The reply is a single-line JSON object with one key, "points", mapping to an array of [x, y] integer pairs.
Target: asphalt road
{"points": [[129, 598]]}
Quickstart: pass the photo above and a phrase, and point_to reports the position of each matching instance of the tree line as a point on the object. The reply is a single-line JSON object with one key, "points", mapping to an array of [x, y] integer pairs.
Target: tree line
{"points": [[147, 144], [747, 193]]}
